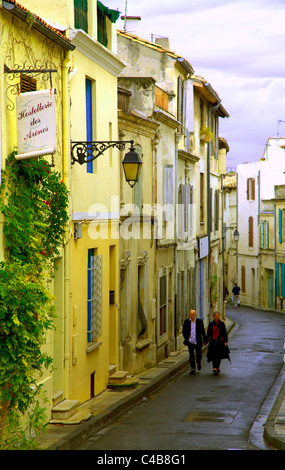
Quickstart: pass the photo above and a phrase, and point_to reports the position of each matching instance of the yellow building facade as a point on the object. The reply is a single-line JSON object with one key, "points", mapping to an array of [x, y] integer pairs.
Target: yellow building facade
{"points": [[30, 44], [85, 343]]}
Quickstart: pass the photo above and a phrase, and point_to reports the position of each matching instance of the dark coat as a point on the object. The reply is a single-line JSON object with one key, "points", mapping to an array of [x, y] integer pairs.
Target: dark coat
{"points": [[200, 332], [217, 347]]}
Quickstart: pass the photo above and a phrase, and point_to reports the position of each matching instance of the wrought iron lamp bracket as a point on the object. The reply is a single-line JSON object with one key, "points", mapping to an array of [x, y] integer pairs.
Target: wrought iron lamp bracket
{"points": [[85, 152]]}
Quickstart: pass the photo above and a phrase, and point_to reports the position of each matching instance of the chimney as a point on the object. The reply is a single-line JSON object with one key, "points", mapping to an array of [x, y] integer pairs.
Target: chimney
{"points": [[164, 42], [131, 24]]}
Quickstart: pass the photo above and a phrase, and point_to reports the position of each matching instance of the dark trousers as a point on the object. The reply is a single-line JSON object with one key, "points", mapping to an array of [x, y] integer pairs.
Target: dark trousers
{"points": [[192, 348], [216, 363]]}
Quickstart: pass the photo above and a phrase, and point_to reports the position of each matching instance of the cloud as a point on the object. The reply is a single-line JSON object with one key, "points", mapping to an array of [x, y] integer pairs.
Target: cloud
{"points": [[238, 46]]}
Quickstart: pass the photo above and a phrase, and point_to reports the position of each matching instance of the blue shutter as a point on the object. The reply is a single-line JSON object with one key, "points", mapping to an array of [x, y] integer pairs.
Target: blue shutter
{"points": [[89, 124], [277, 279]]}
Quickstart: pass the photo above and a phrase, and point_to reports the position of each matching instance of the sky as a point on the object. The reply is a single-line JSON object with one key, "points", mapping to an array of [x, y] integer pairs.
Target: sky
{"points": [[239, 48]]}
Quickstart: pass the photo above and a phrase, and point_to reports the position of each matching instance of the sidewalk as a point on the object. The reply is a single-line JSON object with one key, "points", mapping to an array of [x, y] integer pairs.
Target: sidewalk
{"points": [[111, 403]]}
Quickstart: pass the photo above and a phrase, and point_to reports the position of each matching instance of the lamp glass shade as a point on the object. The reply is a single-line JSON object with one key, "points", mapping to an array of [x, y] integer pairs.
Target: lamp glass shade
{"points": [[236, 236], [132, 166]]}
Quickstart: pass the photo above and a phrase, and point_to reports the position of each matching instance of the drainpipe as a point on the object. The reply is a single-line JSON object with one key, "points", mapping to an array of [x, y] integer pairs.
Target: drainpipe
{"points": [[177, 138], [66, 179], [211, 111], [275, 260]]}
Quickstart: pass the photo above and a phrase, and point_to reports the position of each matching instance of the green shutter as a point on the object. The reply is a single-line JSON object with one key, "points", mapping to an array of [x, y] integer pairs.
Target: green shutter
{"points": [[262, 234], [283, 280], [266, 234], [81, 14], [277, 279]]}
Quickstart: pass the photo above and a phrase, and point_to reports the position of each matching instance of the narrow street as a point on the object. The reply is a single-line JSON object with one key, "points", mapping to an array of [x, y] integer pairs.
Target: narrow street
{"points": [[206, 412]]}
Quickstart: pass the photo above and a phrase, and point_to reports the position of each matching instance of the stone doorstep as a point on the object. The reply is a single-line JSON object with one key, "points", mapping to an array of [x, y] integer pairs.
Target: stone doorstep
{"points": [[280, 420], [118, 377], [57, 398], [76, 418], [65, 409], [127, 383]]}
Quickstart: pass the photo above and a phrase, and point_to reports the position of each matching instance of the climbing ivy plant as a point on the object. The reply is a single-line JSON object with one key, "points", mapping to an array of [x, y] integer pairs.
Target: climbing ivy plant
{"points": [[33, 201]]}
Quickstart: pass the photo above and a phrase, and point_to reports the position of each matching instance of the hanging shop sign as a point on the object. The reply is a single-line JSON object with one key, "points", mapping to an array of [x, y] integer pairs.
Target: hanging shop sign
{"points": [[36, 130]]}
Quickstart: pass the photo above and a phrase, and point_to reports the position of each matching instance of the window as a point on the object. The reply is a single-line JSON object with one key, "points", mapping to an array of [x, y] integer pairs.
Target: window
{"points": [[211, 210], [283, 280], [81, 14], [168, 193], [89, 118], [217, 208], [181, 211], [277, 280], [162, 304], [280, 217], [243, 279], [201, 114], [250, 189], [181, 98], [250, 232], [94, 296], [27, 83], [201, 198], [101, 27], [161, 98], [264, 234]]}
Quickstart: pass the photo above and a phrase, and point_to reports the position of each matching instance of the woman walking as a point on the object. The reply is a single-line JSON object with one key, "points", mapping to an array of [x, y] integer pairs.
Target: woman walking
{"points": [[217, 337]]}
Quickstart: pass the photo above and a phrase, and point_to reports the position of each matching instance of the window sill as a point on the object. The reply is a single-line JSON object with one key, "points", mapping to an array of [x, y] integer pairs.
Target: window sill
{"points": [[92, 346], [144, 343]]}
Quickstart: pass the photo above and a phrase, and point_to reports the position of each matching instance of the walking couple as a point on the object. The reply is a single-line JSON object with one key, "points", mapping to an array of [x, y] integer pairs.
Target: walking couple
{"points": [[194, 337]]}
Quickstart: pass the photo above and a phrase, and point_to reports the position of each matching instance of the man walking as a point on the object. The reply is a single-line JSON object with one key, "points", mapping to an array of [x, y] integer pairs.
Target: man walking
{"points": [[194, 335], [235, 291]]}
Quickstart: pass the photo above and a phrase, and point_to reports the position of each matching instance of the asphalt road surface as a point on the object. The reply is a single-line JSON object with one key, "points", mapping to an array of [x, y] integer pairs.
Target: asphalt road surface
{"points": [[206, 412]]}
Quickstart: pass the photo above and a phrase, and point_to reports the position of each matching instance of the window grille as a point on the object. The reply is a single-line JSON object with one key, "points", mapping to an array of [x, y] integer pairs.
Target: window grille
{"points": [[94, 301]]}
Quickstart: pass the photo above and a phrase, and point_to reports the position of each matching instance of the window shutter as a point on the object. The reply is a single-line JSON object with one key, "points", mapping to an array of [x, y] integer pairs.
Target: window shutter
{"points": [[277, 279], [283, 279], [179, 99], [253, 189], [250, 232], [280, 225], [243, 278], [168, 193], [80, 14], [187, 209], [27, 83], [262, 234], [217, 209], [247, 188], [266, 234]]}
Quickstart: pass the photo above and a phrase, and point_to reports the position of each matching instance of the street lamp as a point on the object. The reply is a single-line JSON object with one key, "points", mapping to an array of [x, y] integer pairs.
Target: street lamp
{"points": [[132, 166], [85, 152], [236, 235]]}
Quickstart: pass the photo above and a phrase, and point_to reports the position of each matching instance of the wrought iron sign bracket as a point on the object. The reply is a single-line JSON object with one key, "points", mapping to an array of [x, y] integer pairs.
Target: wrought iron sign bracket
{"points": [[85, 152], [34, 70]]}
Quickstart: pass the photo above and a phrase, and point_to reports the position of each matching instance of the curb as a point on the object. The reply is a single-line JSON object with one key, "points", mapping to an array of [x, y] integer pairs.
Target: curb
{"points": [[102, 419], [271, 436]]}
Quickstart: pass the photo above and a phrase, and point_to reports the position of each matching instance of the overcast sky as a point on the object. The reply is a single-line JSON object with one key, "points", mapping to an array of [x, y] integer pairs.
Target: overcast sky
{"points": [[239, 47]]}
